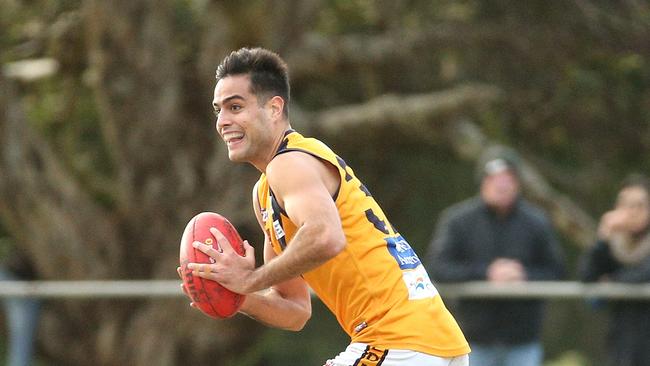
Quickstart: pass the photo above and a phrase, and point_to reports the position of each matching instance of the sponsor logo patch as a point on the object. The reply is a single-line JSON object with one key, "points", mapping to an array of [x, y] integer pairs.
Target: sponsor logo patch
{"points": [[402, 252], [418, 283], [414, 275]]}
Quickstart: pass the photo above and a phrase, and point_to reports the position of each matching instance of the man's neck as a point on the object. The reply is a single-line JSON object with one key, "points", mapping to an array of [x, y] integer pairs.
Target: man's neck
{"points": [[275, 146]]}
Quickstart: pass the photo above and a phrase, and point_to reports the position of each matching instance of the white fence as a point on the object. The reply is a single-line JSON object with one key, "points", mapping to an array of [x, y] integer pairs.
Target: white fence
{"points": [[171, 288]]}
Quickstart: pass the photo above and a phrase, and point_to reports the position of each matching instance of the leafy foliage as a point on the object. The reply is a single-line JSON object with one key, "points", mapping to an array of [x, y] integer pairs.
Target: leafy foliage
{"points": [[120, 137]]}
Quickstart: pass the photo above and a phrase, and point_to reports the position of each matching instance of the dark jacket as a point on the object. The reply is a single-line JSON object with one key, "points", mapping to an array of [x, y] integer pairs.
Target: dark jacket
{"points": [[629, 324], [469, 236]]}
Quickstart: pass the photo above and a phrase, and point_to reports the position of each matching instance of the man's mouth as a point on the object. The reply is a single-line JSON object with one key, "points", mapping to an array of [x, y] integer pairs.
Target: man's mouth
{"points": [[232, 138]]}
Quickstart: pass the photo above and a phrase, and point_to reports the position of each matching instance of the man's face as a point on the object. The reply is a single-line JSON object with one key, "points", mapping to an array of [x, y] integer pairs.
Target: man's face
{"points": [[500, 190], [241, 121]]}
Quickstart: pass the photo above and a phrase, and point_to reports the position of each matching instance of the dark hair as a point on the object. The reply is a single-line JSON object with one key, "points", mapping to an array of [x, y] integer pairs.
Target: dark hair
{"points": [[268, 72], [636, 180]]}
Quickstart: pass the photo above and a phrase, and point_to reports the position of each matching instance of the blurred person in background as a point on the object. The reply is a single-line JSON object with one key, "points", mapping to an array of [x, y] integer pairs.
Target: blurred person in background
{"points": [[499, 237], [21, 314], [622, 254]]}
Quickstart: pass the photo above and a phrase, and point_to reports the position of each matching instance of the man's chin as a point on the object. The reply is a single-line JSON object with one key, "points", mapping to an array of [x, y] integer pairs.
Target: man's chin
{"points": [[235, 158]]}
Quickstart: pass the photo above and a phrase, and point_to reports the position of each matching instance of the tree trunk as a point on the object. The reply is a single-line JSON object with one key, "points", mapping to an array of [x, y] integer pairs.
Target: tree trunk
{"points": [[166, 166]]}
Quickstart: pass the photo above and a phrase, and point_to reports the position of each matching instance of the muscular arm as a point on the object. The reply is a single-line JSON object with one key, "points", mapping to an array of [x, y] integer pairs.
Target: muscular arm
{"points": [[286, 305], [277, 295], [304, 186]]}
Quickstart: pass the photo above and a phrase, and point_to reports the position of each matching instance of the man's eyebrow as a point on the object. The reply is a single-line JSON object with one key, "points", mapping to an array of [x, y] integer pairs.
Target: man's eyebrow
{"points": [[227, 99]]}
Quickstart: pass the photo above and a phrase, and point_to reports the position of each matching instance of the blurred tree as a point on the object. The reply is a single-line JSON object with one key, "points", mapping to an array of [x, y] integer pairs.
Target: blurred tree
{"points": [[103, 162]]}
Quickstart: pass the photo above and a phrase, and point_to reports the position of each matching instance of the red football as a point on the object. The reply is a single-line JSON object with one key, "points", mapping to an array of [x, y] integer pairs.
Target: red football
{"points": [[209, 296]]}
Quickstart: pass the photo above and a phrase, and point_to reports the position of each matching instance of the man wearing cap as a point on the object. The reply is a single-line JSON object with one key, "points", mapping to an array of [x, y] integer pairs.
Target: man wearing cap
{"points": [[497, 236]]}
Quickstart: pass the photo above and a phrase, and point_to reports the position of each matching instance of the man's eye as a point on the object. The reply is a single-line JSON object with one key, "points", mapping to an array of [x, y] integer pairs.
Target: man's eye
{"points": [[235, 107], [216, 112]]}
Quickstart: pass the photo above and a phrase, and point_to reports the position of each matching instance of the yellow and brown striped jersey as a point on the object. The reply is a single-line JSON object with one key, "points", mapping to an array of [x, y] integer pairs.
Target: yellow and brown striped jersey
{"points": [[376, 287]]}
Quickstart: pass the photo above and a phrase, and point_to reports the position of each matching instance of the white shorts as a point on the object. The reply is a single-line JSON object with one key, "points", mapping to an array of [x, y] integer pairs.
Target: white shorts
{"points": [[360, 354]]}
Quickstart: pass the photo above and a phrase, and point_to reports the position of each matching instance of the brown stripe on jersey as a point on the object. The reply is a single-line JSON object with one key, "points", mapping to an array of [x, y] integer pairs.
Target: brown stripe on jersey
{"points": [[372, 356]]}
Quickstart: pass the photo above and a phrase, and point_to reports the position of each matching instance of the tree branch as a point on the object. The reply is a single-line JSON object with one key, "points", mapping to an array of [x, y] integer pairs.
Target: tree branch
{"points": [[443, 115], [413, 111]]}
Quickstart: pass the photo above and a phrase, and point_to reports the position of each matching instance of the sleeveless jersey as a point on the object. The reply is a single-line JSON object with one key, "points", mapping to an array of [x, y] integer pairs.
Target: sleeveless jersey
{"points": [[376, 287]]}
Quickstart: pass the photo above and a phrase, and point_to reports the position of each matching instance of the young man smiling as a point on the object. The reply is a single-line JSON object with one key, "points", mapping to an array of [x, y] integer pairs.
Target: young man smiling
{"points": [[323, 230]]}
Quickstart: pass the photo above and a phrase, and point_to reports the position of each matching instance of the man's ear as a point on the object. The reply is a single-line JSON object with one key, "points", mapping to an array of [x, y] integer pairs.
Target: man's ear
{"points": [[277, 107]]}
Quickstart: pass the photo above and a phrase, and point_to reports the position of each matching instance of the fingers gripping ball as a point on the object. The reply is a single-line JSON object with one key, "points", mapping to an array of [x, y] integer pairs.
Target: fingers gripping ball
{"points": [[209, 296]]}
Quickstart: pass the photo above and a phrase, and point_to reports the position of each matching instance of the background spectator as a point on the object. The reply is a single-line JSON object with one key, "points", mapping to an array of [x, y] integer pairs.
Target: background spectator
{"points": [[622, 253], [498, 237]]}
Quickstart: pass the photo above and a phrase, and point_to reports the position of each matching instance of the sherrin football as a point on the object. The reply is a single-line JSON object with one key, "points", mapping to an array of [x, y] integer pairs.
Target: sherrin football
{"points": [[210, 297]]}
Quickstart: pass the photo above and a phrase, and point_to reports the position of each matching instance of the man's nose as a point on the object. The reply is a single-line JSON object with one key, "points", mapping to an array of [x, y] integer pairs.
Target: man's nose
{"points": [[222, 121]]}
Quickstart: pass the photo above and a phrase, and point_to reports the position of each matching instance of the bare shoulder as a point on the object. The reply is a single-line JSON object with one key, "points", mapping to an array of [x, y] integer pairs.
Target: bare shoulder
{"points": [[300, 168], [293, 161]]}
